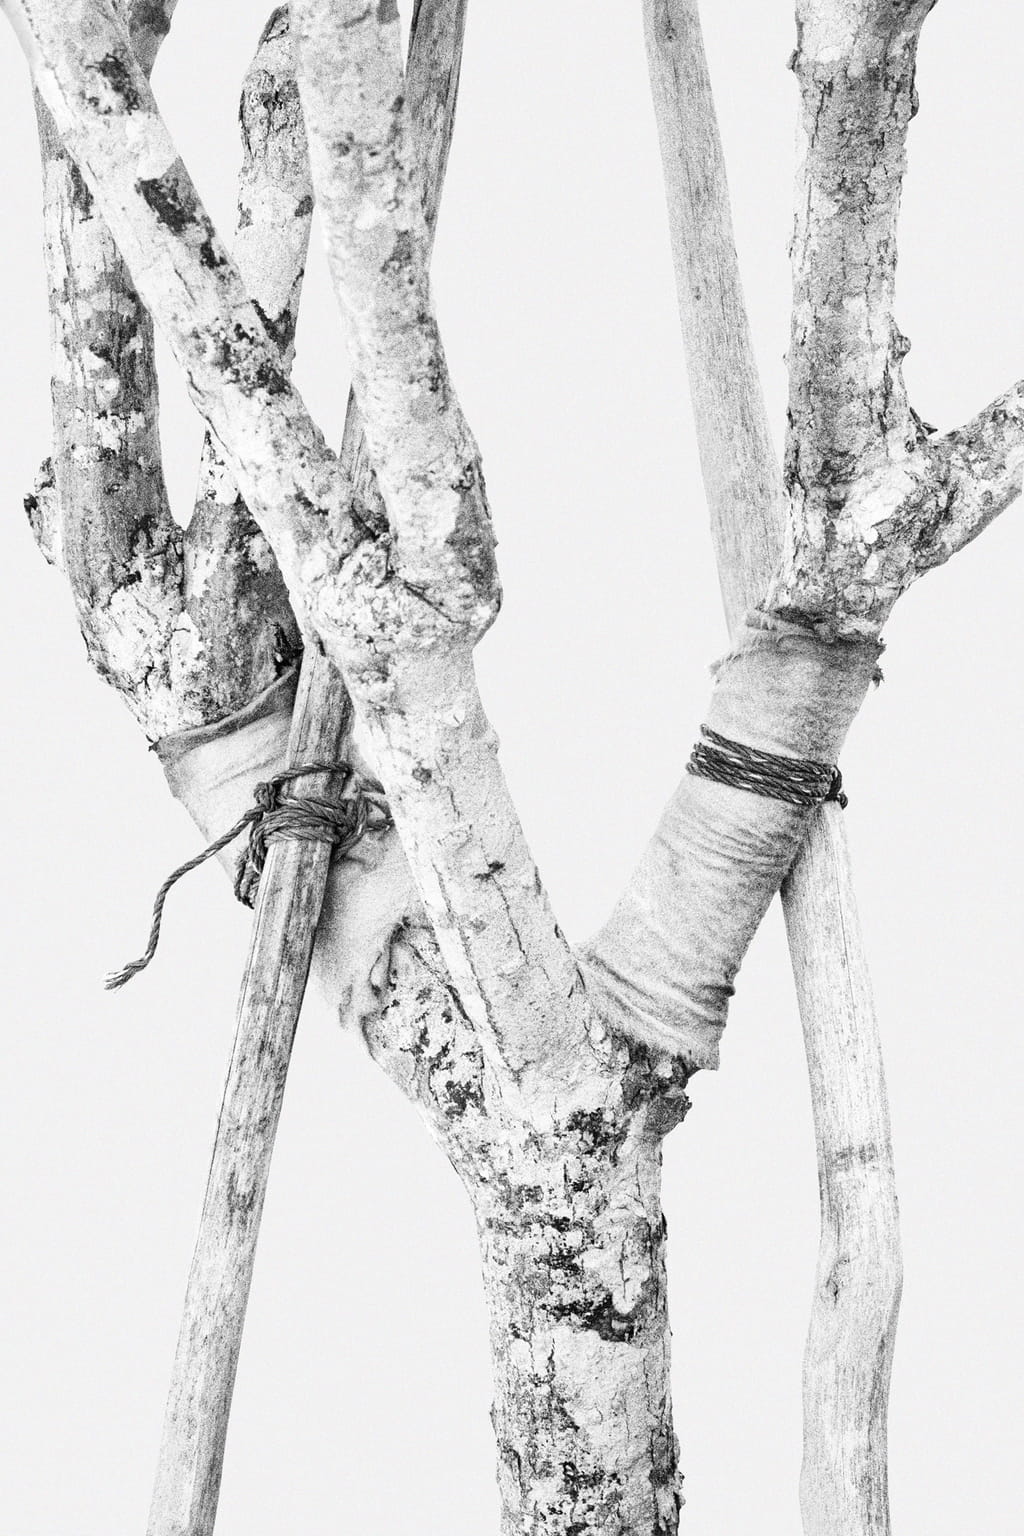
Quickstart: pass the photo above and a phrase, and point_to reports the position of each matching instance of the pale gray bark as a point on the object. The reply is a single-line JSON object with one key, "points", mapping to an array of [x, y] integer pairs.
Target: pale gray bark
{"points": [[856, 1299], [275, 204], [548, 1078], [186, 624]]}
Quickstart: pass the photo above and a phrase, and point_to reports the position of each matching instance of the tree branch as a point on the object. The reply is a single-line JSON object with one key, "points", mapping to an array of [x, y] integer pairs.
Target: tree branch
{"points": [[980, 467], [849, 417], [407, 662], [237, 615], [741, 475], [855, 66], [108, 121], [663, 965], [111, 522], [189, 640], [369, 193], [855, 1306]]}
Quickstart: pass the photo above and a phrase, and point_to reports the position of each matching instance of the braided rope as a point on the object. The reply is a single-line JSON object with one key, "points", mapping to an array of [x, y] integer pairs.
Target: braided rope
{"points": [[275, 815], [797, 780]]}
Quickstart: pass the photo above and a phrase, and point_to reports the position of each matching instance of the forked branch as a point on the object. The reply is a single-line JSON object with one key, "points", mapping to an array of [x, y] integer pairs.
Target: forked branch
{"points": [[367, 176]]}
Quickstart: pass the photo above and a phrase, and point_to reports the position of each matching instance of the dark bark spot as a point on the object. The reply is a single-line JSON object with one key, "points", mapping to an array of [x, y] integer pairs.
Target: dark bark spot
{"points": [[460, 1096], [240, 1202], [494, 867], [401, 252], [244, 357], [603, 1317], [171, 197], [209, 254], [472, 538], [81, 197], [280, 329], [117, 74]]}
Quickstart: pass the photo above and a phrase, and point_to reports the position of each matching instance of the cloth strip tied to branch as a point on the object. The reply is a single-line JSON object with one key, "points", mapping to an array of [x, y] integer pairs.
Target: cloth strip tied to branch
{"points": [[359, 808]]}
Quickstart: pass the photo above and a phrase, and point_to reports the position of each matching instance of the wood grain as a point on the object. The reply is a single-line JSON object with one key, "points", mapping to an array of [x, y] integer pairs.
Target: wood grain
{"points": [[288, 907], [856, 1298]]}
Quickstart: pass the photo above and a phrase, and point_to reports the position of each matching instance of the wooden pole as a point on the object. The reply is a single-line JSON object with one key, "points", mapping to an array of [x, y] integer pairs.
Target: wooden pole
{"points": [[290, 896], [857, 1290]]}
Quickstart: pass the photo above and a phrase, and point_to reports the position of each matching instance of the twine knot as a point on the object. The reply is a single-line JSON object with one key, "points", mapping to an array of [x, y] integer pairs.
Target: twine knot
{"points": [[357, 808]]}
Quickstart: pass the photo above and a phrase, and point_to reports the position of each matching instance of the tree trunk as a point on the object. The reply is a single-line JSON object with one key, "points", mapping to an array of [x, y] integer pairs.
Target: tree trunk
{"points": [[573, 1244]]}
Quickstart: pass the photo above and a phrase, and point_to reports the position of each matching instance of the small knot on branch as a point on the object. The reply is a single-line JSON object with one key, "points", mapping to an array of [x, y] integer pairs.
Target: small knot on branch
{"points": [[359, 807]]}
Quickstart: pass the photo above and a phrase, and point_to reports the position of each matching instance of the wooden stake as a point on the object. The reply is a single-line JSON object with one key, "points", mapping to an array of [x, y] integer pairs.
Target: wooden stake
{"points": [[856, 1297], [288, 908]]}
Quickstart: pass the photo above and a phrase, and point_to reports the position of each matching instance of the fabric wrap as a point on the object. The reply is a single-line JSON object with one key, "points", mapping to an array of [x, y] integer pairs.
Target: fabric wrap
{"points": [[213, 771], [662, 968]]}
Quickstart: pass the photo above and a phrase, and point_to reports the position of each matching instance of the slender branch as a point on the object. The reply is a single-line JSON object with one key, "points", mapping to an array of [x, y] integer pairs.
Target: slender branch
{"points": [[859, 1280], [980, 465], [187, 1484], [118, 543], [367, 177], [237, 618], [408, 663], [741, 474], [108, 121], [291, 895], [416, 690], [855, 1307], [188, 627]]}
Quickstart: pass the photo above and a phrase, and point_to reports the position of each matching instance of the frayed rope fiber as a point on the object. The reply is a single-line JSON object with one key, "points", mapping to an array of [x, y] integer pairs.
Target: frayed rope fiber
{"points": [[359, 808], [798, 780]]}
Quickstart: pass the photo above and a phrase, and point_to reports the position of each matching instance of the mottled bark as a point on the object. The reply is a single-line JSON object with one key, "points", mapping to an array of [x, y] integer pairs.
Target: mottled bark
{"points": [[117, 541], [294, 881], [872, 506], [367, 175], [567, 1198], [856, 1300], [187, 625], [573, 1247], [548, 1078], [236, 608]]}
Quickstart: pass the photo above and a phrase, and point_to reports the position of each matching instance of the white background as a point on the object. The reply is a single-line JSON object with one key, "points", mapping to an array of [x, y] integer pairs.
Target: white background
{"points": [[363, 1388]]}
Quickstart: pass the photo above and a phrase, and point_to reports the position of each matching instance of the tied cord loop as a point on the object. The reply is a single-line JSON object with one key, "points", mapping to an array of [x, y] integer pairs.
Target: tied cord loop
{"points": [[275, 815], [798, 780]]}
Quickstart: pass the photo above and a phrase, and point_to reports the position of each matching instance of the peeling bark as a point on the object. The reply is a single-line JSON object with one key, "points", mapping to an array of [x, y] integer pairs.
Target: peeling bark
{"points": [[549, 1078], [367, 176], [187, 626], [855, 1306]]}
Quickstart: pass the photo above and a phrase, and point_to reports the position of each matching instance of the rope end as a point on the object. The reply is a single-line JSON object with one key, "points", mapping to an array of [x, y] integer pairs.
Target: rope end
{"points": [[116, 980]]}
